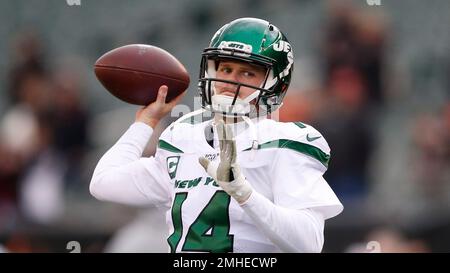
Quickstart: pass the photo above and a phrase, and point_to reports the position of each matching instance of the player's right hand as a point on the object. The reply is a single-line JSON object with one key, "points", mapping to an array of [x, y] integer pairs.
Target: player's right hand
{"points": [[155, 111]]}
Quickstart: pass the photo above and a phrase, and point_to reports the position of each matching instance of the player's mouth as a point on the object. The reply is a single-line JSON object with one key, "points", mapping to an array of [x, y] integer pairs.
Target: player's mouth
{"points": [[228, 93]]}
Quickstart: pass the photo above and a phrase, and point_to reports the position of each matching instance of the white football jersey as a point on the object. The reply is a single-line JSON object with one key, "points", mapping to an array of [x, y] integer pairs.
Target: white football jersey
{"points": [[286, 167]]}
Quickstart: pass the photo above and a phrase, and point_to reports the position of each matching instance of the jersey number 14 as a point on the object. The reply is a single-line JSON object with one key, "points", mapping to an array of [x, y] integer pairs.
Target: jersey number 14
{"points": [[209, 232]]}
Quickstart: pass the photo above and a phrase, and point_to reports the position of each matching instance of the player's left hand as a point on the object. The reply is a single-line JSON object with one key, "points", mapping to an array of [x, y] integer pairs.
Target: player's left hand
{"points": [[227, 172]]}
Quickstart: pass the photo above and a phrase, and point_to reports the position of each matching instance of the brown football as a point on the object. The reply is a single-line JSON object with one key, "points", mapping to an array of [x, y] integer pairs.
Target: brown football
{"points": [[134, 73]]}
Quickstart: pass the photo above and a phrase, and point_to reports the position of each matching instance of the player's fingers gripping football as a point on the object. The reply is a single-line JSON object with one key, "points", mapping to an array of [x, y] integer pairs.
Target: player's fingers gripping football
{"points": [[155, 111], [176, 100]]}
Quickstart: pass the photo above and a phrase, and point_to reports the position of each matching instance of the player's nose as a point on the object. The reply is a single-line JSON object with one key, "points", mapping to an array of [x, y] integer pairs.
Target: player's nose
{"points": [[226, 86]]}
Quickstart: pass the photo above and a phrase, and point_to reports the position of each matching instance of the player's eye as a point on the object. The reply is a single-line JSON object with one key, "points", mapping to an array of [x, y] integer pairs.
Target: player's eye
{"points": [[225, 69], [248, 74]]}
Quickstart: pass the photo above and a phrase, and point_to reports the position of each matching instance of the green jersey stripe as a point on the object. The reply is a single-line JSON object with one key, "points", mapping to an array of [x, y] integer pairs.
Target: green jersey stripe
{"points": [[299, 147], [299, 124], [166, 146]]}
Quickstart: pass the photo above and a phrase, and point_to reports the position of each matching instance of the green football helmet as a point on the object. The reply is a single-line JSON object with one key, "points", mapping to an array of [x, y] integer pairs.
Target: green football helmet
{"points": [[257, 42]]}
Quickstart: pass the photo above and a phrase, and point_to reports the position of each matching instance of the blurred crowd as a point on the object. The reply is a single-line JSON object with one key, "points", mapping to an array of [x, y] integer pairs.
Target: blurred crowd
{"points": [[343, 105], [44, 142], [349, 103], [43, 137]]}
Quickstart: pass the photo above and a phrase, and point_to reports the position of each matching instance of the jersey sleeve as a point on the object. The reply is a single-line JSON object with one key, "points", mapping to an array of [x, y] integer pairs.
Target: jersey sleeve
{"points": [[297, 175], [122, 175]]}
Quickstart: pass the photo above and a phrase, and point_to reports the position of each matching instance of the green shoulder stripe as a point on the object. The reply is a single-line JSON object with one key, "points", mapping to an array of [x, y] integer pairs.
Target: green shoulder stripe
{"points": [[166, 146], [299, 124], [299, 147]]}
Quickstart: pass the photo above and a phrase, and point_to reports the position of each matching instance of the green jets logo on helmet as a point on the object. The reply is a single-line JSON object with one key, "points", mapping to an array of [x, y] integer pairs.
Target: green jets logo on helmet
{"points": [[257, 42]]}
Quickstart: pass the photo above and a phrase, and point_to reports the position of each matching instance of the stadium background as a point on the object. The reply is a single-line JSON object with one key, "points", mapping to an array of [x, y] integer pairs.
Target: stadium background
{"points": [[375, 80]]}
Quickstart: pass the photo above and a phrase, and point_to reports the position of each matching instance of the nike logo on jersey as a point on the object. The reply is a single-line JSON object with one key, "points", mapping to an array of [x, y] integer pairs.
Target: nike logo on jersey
{"points": [[311, 138]]}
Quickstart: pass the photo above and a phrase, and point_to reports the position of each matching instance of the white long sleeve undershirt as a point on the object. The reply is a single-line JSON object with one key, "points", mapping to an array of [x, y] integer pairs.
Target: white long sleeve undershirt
{"points": [[123, 176], [292, 230]]}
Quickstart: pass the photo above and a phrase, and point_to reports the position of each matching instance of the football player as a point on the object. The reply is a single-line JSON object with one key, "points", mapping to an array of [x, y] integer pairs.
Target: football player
{"points": [[240, 181]]}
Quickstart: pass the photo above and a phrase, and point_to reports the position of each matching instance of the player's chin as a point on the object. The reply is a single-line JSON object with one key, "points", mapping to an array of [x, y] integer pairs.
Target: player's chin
{"points": [[226, 93]]}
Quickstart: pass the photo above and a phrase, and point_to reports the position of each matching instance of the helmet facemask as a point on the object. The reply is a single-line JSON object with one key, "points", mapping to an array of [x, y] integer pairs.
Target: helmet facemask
{"points": [[234, 106]]}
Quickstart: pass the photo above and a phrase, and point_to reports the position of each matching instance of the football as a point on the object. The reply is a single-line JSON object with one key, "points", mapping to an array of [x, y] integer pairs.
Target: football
{"points": [[134, 73]]}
